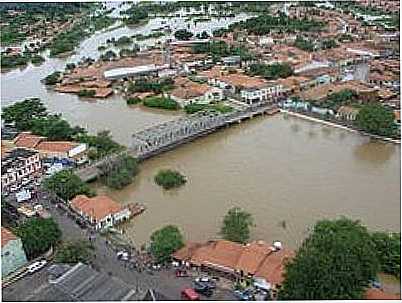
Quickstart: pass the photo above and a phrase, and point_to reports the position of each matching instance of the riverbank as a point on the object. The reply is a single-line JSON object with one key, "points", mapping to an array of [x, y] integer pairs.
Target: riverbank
{"points": [[306, 117]]}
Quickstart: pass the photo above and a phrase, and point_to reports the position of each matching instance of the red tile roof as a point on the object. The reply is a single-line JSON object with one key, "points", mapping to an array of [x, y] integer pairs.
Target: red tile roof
{"points": [[256, 258], [97, 207], [377, 294], [56, 146], [27, 140], [6, 236]]}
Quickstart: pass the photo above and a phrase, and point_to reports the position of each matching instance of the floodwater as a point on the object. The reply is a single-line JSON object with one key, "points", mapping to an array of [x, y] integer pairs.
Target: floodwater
{"points": [[287, 172], [112, 113]]}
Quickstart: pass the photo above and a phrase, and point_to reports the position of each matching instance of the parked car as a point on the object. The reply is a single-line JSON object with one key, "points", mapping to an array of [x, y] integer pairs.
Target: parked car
{"points": [[203, 289], [243, 295], [189, 294], [123, 255], [206, 281], [181, 273], [34, 267]]}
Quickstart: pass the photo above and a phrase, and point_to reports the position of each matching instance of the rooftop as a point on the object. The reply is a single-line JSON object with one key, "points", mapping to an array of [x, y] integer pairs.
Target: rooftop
{"points": [[97, 207], [6, 236], [27, 140], [57, 146]]}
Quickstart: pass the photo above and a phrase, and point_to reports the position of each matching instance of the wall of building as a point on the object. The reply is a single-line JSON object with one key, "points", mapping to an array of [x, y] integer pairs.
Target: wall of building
{"points": [[12, 257]]}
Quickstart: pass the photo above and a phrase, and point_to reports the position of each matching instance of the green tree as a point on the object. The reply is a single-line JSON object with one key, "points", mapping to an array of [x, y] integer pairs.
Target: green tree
{"points": [[120, 172], [272, 71], [101, 144], [22, 113], [376, 119], [67, 185], [335, 262], [183, 34], [236, 225], [38, 235], [166, 241], [75, 252], [388, 249], [168, 178]]}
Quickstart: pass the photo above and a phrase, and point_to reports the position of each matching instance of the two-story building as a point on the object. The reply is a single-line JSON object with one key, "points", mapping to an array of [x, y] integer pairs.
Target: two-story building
{"points": [[101, 211], [188, 92], [12, 253], [17, 164], [248, 89]]}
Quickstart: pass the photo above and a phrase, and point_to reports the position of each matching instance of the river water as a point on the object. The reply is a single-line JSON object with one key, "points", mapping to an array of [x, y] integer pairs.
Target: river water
{"points": [[286, 172]]}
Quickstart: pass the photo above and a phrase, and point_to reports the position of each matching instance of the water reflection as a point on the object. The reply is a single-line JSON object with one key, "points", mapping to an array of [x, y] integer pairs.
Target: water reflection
{"points": [[374, 152]]}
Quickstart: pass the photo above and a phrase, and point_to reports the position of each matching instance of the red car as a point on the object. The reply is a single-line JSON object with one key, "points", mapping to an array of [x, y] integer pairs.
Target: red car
{"points": [[181, 273], [189, 294]]}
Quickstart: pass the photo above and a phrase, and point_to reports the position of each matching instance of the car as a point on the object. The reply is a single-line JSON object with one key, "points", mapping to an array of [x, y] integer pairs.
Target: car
{"points": [[243, 295], [34, 267], [206, 281], [203, 289], [181, 273], [189, 294], [123, 255]]}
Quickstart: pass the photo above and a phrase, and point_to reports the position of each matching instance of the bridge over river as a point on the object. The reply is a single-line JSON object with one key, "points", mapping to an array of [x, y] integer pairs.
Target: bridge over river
{"points": [[166, 136]]}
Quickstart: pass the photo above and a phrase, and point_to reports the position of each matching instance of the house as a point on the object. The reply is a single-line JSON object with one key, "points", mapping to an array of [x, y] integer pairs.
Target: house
{"points": [[187, 92], [75, 152], [12, 253], [101, 211], [234, 260], [347, 113], [17, 164], [249, 89]]}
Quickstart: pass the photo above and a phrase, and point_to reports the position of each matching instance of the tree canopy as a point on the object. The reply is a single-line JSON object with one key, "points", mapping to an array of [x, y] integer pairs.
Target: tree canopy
{"points": [[67, 185], [75, 252], [183, 34], [388, 248], [236, 225], [38, 235], [336, 262], [22, 113], [165, 241], [168, 178], [120, 172], [272, 71], [376, 119]]}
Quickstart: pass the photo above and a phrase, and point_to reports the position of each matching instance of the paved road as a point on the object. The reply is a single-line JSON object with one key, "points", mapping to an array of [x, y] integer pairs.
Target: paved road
{"points": [[164, 281]]}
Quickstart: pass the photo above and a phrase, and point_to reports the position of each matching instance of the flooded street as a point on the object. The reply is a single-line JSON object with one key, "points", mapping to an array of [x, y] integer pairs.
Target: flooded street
{"points": [[287, 172]]}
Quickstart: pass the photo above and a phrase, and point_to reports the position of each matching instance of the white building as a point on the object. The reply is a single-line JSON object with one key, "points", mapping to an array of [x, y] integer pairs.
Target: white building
{"points": [[101, 211]]}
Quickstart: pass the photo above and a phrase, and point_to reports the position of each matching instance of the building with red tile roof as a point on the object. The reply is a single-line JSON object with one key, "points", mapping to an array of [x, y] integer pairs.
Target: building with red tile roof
{"points": [[101, 211], [378, 294], [256, 259], [27, 140]]}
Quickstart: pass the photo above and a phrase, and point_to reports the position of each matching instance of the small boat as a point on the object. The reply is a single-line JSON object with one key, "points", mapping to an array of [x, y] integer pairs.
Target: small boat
{"points": [[136, 209]]}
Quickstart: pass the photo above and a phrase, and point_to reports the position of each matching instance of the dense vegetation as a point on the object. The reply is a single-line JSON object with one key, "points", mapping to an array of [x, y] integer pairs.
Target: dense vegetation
{"points": [[161, 102], [338, 99], [86, 93], [148, 85], [38, 235], [141, 37], [388, 249], [196, 107], [133, 101], [376, 119], [123, 40], [304, 44], [31, 115], [119, 172], [265, 24], [75, 252], [166, 241], [183, 34], [236, 225], [66, 185], [168, 179], [135, 15], [272, 71], [336, 262], [218, 49]]}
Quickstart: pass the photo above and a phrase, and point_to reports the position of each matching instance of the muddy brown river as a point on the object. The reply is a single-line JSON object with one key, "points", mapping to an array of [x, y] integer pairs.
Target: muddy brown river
{"points": [[287, 172]]}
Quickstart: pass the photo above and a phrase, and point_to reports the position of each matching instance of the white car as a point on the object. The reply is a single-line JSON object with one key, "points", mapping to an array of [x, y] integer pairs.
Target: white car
{"points": [[34, 267], [123, 255]]}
